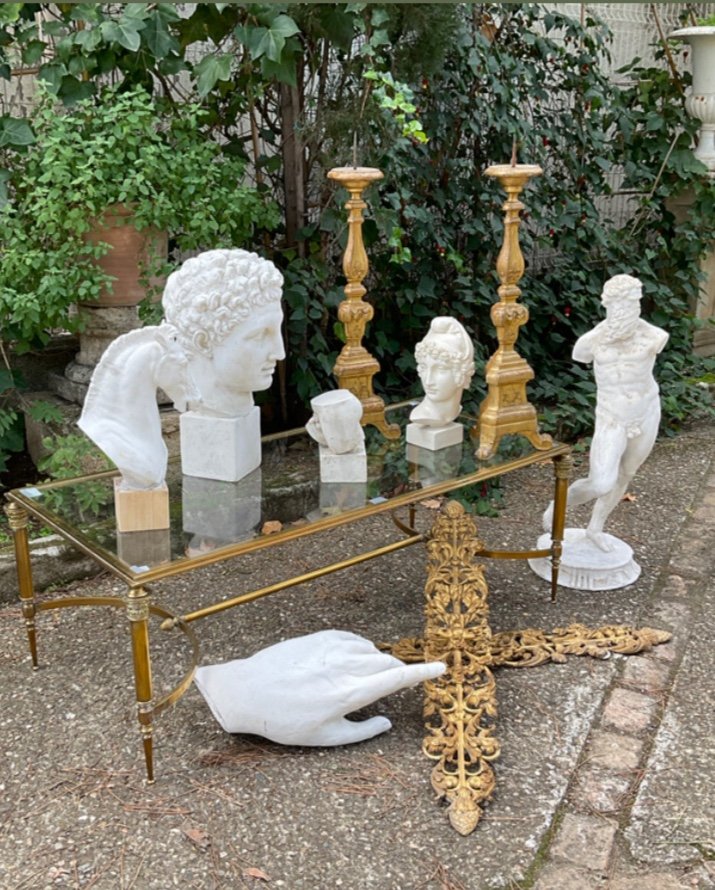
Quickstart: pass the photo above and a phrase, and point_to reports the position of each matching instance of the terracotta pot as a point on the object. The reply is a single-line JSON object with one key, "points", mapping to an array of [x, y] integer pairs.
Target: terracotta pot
{"points": [[130, 250]]}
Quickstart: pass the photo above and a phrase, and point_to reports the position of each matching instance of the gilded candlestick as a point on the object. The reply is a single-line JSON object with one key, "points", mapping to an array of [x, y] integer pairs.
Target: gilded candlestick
{"points": [[355, 366], [506, 408]]}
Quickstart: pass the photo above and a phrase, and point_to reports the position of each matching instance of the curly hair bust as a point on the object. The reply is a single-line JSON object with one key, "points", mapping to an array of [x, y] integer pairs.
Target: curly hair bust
{"points": [[212, 293]]}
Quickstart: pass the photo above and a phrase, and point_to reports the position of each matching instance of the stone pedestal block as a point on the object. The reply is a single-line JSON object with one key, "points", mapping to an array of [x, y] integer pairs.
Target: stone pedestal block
{"points": [[224, 448], [434, 437]]}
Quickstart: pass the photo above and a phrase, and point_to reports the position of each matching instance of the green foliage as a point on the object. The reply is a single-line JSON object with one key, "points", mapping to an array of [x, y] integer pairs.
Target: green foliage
{"points": [[303, 79], [519, 73], [68, 457], [116, 149], [398, 99]]}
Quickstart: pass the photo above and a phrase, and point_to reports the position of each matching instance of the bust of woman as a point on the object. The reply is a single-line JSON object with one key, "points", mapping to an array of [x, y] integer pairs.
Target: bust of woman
{"points": [[445, 365]]}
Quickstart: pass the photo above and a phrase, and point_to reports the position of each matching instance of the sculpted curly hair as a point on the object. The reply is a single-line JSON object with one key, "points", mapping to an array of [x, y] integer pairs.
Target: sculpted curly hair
{"points": [[210, 294], [447, 341]]}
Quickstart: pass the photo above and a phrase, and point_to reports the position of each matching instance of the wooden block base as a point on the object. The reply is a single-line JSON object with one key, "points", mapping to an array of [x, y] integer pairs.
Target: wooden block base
{"points": [[138, 510]]}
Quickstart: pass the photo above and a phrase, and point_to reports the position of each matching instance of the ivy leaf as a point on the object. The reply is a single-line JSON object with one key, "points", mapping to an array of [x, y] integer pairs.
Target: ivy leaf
{"points": [[283, 71], [157, 37], [52, 75], [33, 51], [284, 25], [338, 26], [89, 39], [210, 70], [10, 12], [73, 90], [15, 131], [124, 33], [270, 45], [5, 72], [269, 42]]}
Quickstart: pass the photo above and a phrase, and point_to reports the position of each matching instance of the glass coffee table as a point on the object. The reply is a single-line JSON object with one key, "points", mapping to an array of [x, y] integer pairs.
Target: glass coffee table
{"points": [[214, 521]]}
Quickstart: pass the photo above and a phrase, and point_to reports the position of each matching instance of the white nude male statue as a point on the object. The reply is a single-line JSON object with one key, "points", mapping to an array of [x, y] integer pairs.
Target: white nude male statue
{"points": [[225, 306], [445, 365], [623, 349]]}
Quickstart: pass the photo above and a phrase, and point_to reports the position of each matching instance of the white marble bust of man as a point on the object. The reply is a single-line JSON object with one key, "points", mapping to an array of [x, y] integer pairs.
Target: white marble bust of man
{"points": [[445, 364], [225, 308]]}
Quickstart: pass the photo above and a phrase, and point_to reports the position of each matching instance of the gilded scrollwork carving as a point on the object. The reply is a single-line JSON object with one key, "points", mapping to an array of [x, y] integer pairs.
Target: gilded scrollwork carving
{"points": [[529, 647], [460, 706]]}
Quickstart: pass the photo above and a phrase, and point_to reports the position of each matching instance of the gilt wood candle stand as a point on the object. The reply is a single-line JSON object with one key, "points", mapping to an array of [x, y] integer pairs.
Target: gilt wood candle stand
{"points": [[355, 366], [506, 408]]}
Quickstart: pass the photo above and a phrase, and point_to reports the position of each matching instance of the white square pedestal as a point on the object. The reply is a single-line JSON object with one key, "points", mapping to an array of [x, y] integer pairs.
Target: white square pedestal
{"points": [[351, 467], [434, 437], [223, 448]]}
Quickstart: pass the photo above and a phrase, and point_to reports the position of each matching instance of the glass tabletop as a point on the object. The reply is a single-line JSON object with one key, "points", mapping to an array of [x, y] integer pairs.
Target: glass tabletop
{"points": [[212, 520]]}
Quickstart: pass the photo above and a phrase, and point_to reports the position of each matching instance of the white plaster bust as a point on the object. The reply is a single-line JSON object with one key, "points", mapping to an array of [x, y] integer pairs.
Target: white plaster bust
{"points": [[445, 364], [225, 306], [335, 423], [623, 349], [218, 344], [298, 692], [120, 413]]}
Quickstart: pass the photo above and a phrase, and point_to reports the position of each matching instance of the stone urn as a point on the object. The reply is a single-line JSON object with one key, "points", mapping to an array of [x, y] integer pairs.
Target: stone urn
{"points": [[700, 102]]}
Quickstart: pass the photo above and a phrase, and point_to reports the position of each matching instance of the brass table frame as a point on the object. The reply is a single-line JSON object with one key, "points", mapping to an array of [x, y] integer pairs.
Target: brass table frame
{"points": [[460, 705], [137, 602]]}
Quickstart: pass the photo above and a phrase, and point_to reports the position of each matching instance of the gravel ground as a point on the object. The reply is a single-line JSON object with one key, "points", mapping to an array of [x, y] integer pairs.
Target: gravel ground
{"points": [[236, 811]]}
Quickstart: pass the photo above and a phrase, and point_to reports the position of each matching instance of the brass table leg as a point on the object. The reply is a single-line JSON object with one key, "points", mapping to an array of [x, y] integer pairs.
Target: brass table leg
{"points": [[562, 471], [18, 518], [138, 615], [460, 706]]}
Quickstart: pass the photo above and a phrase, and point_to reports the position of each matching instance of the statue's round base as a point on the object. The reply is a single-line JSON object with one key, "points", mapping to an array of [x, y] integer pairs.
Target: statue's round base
{"points": [[584, 566]]}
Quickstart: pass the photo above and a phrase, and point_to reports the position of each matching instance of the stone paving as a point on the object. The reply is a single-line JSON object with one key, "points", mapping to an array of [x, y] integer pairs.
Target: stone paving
{"points": [[657, 719]]}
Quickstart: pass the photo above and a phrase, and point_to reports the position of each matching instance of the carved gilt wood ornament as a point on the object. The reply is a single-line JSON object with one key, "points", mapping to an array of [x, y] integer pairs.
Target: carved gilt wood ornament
{"points": [[460, 705], [355, 366]]}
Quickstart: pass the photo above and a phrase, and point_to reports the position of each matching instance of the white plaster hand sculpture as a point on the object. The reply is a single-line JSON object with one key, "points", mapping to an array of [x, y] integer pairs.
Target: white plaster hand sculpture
{"points": [[225, 306], [335, 425], [298, 692], [445, 365], [623, 349]]}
